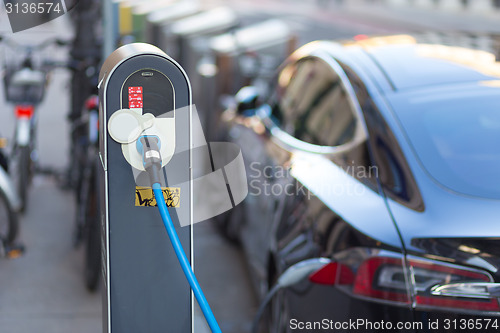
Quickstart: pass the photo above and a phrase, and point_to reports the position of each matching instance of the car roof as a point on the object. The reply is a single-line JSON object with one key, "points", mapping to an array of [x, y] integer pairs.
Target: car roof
{"points": [[408, 64]]}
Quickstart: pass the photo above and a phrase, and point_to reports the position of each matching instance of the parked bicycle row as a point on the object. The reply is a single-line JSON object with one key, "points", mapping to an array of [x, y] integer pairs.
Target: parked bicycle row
{"points": [[27, 69], [26, 74]]}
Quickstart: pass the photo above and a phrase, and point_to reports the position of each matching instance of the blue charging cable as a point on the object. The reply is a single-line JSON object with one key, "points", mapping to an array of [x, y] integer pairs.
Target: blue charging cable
{"points": [[148, 146]]}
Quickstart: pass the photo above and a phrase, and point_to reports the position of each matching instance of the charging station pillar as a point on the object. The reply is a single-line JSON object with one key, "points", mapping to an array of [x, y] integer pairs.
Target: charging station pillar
{"points": [[145, 288]]}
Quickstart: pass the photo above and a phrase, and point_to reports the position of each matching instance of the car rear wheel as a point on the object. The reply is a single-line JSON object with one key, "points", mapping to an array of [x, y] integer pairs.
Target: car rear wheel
{"points": [[279, 315], [229, 223]]}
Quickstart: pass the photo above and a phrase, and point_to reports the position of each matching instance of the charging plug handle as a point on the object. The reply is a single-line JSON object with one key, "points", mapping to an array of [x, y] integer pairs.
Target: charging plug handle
{"points": [[151, 158]]}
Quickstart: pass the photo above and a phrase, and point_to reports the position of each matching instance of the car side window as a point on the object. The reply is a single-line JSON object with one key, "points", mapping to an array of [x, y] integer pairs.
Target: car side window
{"points": [[311, 103], [393, 171]]}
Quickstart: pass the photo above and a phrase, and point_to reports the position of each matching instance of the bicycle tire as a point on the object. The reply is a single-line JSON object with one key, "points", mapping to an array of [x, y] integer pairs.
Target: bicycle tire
{"points": [[22, 173], [8, 217], [82, 196], [93, 237]]}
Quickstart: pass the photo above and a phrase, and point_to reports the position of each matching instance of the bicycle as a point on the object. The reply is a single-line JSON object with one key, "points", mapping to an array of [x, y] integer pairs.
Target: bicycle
{"points": [[25, 82], [88, 228], [83, 116], [83, 168]]}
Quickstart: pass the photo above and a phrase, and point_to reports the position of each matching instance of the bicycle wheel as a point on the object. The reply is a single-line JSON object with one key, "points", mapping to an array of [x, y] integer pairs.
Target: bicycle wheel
{"points": [[83, 187], [22, 172], [93, 237], [8, 220]]}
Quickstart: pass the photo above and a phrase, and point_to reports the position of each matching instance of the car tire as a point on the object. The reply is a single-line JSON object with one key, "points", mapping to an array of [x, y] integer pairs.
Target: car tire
{"points": [[229, 223], [277, 316]]}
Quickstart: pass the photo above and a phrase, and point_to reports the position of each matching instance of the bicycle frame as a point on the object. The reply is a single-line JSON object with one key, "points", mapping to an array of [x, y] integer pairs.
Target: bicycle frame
{"points": [[9, 190], [85, 153]]}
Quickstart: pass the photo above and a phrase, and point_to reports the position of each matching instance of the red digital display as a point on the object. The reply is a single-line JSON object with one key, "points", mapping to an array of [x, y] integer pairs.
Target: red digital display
{"points": [[135, 100], [135, 90]]}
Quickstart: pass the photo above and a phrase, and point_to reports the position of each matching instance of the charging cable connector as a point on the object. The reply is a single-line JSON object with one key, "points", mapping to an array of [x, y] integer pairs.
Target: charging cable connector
{"points": [[149, 147]]}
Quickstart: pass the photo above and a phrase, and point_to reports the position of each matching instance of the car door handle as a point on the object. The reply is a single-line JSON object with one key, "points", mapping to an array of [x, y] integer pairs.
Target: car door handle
{"points": [[468, 290]]}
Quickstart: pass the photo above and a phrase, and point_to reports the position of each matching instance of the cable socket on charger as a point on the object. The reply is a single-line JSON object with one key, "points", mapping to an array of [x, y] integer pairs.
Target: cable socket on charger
{"points": [[149, 147]]}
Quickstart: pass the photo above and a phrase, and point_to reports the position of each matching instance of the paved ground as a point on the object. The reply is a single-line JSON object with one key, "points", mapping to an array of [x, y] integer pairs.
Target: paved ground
{"points": [[225, 280], [318, 19], [43, 291]]}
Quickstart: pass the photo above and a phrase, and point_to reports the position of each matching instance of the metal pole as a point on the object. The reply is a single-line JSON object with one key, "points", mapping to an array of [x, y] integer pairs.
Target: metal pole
{"points": [[110, 22]]}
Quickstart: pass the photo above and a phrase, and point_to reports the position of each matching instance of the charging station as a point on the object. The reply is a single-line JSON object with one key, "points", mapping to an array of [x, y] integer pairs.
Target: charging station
{"points": [[142, 90]]}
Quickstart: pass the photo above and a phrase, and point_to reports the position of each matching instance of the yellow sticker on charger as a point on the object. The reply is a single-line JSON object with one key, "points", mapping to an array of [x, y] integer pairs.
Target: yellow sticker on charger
{"points": [[144, 196]]}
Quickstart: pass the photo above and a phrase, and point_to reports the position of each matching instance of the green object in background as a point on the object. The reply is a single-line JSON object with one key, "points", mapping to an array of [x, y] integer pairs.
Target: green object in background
{"points": [[140, 14], [138, 27]]}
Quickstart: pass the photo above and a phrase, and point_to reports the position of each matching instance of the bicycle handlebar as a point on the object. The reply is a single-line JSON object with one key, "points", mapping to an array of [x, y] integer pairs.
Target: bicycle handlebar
{"points": [[54, 64], [30, 47]]}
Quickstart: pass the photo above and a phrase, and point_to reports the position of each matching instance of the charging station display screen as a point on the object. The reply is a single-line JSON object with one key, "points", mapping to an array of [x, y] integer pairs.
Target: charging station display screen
{"points": [[135, 98], [150, 91]]}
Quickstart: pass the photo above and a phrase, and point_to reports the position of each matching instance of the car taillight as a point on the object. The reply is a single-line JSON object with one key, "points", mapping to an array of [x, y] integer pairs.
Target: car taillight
{"points": [[378, 278], [24, 111], [382, 278], [427, 274], [333, 274], [387, 279]]}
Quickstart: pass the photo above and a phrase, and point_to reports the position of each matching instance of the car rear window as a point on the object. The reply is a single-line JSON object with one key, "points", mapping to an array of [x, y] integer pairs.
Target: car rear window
{"points": [[456, 135]]}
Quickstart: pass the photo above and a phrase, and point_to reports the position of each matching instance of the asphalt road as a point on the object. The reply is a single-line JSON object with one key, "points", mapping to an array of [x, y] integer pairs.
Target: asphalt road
{"points": [[327, 19]]}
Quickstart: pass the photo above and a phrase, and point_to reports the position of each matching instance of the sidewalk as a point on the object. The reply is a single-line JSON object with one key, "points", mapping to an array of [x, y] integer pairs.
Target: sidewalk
{"points": [[43, 291]]}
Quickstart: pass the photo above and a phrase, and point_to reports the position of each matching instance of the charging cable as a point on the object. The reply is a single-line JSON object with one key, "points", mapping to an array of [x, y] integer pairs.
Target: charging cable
{"points": [[291, 276], [149, 148]]}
